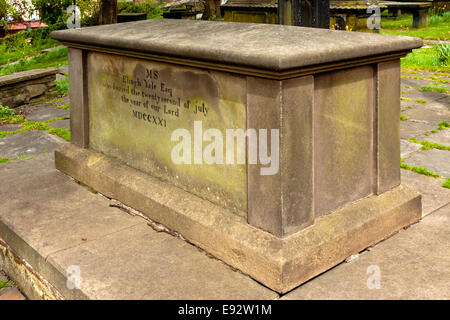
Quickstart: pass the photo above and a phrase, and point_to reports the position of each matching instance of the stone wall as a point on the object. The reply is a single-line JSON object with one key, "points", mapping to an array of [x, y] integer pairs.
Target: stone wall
{"points": [[28, 86]]}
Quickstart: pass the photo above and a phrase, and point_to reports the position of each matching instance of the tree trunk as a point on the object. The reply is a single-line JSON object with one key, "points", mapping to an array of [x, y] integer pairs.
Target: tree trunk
{"points": [[108, 12], [212, 9]]}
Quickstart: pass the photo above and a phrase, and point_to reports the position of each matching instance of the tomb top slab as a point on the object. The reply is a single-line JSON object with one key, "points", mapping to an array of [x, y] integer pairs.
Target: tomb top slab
{"points": [[262, 46]]}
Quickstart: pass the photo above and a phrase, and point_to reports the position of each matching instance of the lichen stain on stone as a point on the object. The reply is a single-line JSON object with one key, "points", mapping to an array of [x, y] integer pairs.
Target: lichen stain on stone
{"points": [[116, 132], [26, 275]]}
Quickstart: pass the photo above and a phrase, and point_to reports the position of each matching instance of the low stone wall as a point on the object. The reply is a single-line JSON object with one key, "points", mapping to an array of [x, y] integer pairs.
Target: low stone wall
{"points": [[28, 86]]}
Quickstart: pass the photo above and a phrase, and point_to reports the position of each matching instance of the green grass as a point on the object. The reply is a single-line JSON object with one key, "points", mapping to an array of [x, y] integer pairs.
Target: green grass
{"points": [[426, 145], [434, 88], [403, 117], [446, 184], [62, 86], [3, 160], [53, 58], [438, 29], [3, 284], [8, 115], [427, 59], [421, 101], [22, 45], [443, 125], [419, 170]]}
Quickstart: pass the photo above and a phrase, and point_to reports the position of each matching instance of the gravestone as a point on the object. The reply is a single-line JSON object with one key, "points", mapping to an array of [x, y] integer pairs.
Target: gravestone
{"points": [[335, 14], [274, 148]]}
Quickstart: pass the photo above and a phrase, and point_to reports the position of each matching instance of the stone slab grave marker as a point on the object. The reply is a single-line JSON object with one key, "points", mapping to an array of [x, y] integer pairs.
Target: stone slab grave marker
{"points": [[333, 97]]}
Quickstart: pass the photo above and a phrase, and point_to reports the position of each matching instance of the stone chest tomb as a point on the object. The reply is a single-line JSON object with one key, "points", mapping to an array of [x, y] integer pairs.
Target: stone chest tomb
{"points": [[332, 97]]}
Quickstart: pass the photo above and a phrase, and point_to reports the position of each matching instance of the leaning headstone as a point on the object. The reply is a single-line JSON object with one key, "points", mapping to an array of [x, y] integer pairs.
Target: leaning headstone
{"points": [[275, 148]]}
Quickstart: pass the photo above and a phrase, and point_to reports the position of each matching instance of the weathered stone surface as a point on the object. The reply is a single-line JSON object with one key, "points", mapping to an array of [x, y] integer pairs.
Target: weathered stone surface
{"points": [[413, 264], [407, 147], [130, 99], [10, 127], [11, 293], [282, 203], [409, 129], [121, 257], [36, 90], [45, 112], [19, 77], [441, 137], [280, 263], [433, 112], [139, 130], [434, 196], [28, 143], [22, 87], [63, 124], [169, 268], [79, 112], [274, 47], [343, 135], [433, 159], [388, 126]]}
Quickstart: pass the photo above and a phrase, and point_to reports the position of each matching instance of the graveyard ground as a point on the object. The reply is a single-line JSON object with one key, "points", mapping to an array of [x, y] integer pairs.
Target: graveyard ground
{"points": [[55, 223]]}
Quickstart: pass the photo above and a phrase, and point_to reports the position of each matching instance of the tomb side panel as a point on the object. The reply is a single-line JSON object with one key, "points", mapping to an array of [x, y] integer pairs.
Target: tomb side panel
{"points": [[343, 137], [136, 106]]}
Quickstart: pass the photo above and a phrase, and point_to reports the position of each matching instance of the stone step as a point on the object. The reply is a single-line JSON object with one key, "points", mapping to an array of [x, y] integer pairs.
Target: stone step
{"points": [[62, 229]]}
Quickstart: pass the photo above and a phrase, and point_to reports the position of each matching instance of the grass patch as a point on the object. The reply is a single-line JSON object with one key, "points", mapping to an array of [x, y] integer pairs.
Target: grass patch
{"points": [[443, 125], [419, 170], [405, 99], [421, 101], [3, 284], [53, 58], [8, 115], [446, 184], [438, 29], [403, 117], [427, 145], [62, 86], [3, 160], [434, 88], [24, 44], [428, 59], [62, 133], [63, 106], [56, 119]]}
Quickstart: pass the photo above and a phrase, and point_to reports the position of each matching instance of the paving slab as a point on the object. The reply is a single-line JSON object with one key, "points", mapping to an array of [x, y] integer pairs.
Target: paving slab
{"points": [[11, 293], [434, 160], [441, 137], [409, 129], [62, 100], [55, 223], [432, 112], [407, 147], [412, 264], [44, 112], [152, 265], [434, 196], [28, 143], [10, 127], [63, 124]]}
